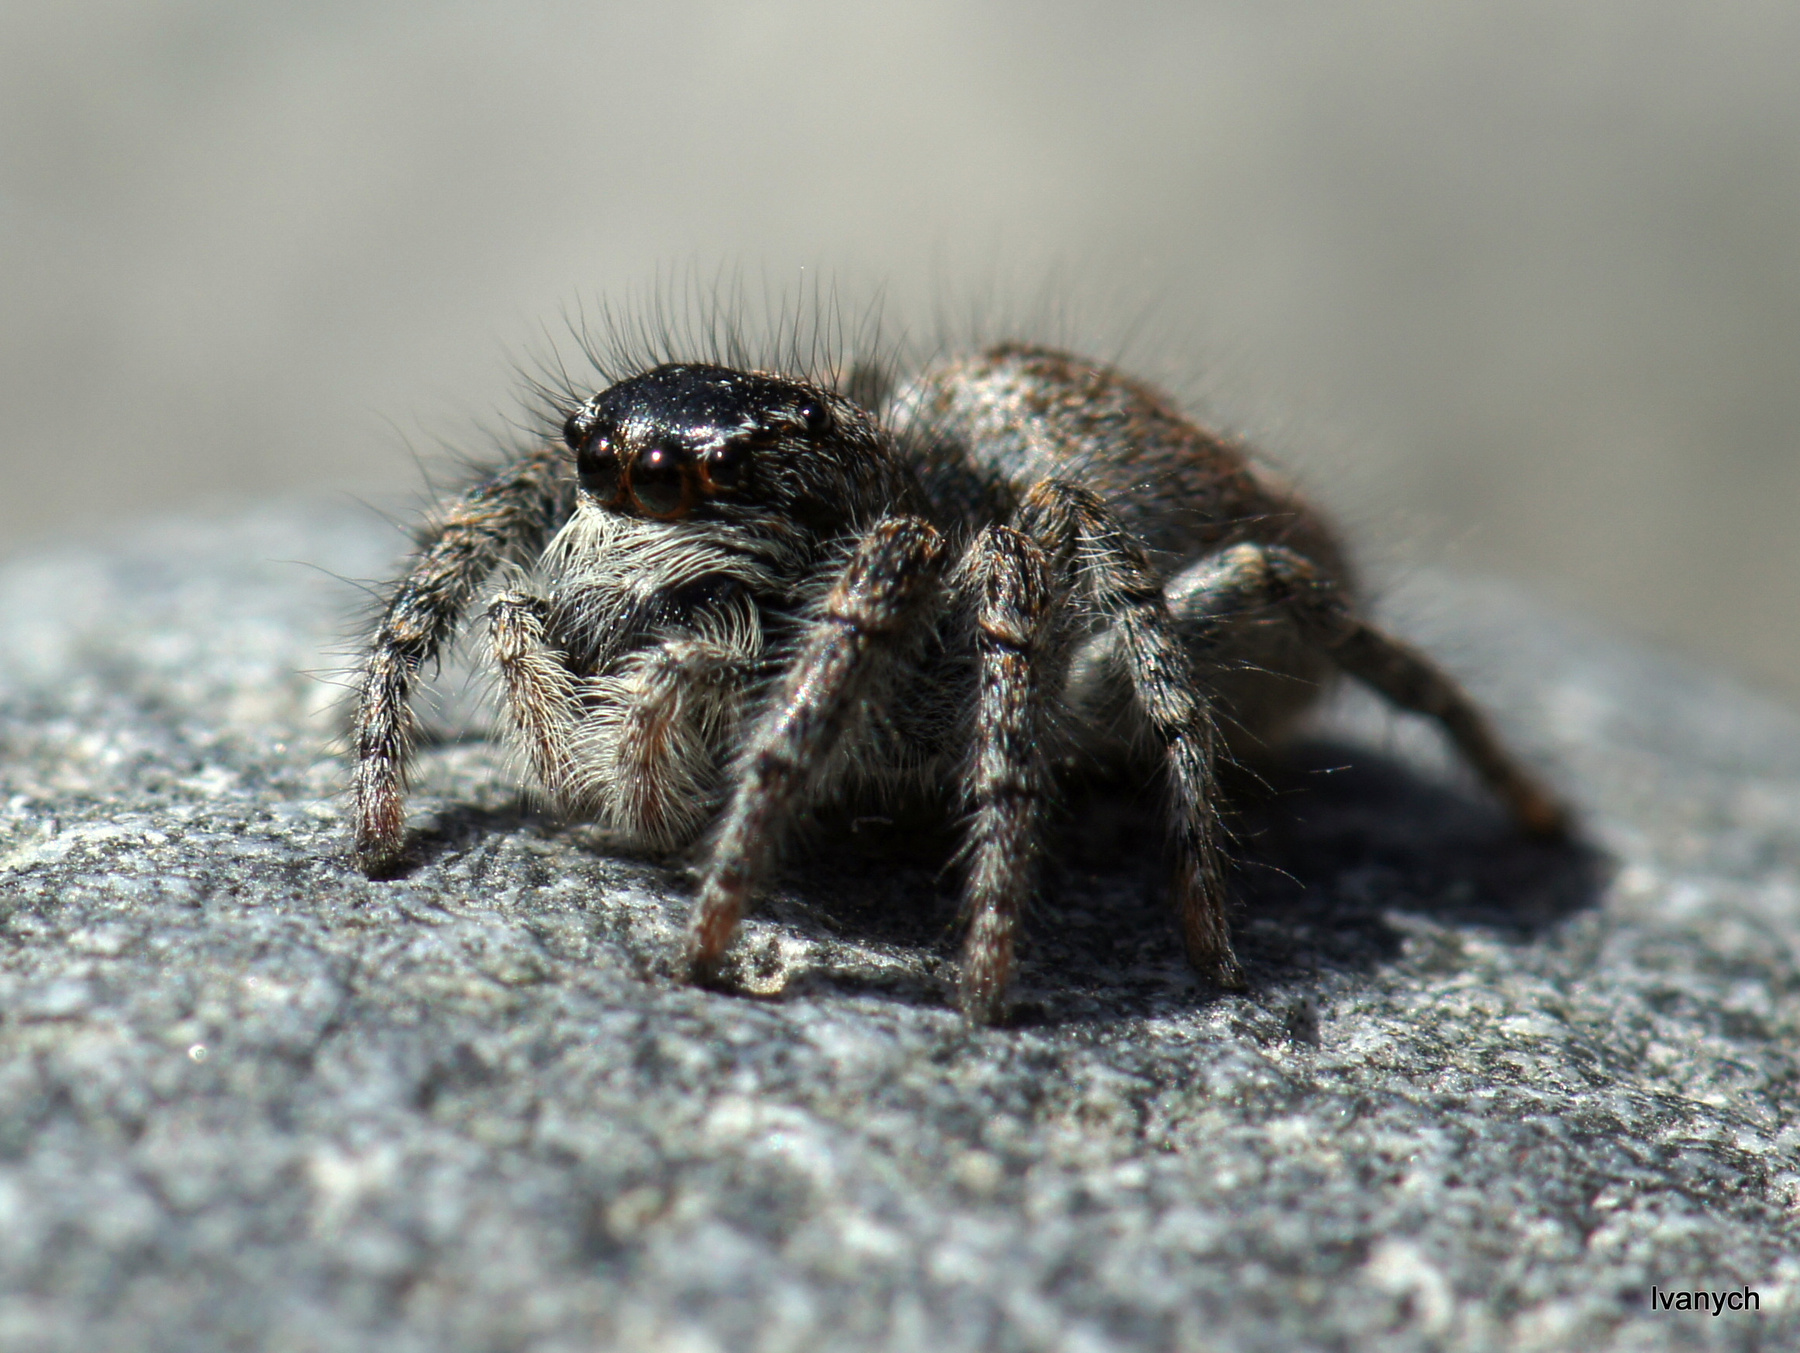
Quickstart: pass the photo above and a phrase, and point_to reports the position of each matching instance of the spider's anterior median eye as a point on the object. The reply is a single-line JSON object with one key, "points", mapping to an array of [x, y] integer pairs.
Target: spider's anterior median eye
{"points": [[662, 481], [598, 466]]}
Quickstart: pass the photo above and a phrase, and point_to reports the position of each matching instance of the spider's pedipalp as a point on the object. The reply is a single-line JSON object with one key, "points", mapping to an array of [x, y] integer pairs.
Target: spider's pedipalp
{"points": [[540, 689]]}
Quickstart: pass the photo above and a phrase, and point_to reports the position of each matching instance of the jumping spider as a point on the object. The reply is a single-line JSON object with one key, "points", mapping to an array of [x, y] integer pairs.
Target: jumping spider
{"points": [[755, 596]]}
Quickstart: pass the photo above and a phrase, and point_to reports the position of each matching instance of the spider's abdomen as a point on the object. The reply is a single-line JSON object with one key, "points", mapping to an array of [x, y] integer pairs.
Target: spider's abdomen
{"points": [[1017, 415], [993, 425]]}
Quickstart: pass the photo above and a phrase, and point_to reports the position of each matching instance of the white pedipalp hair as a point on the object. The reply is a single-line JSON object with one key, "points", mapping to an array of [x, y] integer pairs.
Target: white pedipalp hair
{"points": [[661, 694]]}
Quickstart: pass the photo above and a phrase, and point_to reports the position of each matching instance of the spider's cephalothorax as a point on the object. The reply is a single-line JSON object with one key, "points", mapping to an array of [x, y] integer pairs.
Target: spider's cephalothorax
{"points": [[753, 595]]}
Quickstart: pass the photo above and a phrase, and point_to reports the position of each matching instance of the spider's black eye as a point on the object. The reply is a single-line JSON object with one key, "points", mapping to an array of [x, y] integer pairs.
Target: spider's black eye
{"points": [[598, 466], [575, 431], [724, 469], [815, 415], [662, 481]]}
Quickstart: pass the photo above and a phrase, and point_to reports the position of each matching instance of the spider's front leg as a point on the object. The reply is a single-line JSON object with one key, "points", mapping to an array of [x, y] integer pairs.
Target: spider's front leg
{"points": [[508, 516], [869, 616], [1014, 606], [1087, 545]]}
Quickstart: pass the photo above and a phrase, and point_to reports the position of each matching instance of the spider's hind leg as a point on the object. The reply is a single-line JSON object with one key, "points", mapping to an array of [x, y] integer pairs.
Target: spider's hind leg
{"points": [[1412, 681], [1222, 591], [1102, 560]]}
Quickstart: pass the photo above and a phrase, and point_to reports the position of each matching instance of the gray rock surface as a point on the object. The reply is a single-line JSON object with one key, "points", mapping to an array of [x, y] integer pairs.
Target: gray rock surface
{"points": [[1482, 1094]]}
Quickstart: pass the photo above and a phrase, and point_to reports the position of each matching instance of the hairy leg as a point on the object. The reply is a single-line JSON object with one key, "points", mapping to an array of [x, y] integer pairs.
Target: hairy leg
{"points": [[868, 618], [1098, 556], [1237, 582], [1412, 681], [510, 515], [1008, 581]]}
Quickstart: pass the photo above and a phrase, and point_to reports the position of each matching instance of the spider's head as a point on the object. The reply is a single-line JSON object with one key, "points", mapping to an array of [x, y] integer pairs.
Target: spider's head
{"points": [[690, 440]]}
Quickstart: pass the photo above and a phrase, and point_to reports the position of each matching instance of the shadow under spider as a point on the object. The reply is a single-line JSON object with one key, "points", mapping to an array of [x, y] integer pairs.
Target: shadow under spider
{"points": [[1325, 847], [457, 829]]}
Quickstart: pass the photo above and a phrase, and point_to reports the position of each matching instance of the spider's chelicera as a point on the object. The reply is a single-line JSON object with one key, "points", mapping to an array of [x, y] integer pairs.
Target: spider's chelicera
{"points": [[754, 596]]}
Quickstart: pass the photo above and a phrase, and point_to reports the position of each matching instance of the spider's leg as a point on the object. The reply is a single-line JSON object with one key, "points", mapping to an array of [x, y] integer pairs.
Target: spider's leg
{"points": [[1247, 578], [867, 619], [1008, 778], [1412, 681], [1099, 556], [508, 515]]}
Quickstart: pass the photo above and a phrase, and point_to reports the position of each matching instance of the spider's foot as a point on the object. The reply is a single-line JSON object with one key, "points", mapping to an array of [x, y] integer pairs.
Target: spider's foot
{"points": [[1227, 974], [1207, 939], [378, 825], [982, 1003], [382, 859], [701, 969], [1219, 966], [707, 961], [1540, 814], [987, 968]]}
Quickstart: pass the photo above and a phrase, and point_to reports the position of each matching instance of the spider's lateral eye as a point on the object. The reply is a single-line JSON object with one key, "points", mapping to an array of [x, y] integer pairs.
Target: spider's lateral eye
{"points": [[576, 429], [815, 415], [598, 466]]}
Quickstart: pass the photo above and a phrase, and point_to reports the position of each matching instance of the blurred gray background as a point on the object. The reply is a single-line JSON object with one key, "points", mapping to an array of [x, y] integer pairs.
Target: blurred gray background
{"points": [[1514, 287]]}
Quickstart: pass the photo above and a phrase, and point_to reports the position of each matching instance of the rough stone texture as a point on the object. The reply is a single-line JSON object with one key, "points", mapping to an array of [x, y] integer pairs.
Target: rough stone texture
{"points": [[1482, 1094]]}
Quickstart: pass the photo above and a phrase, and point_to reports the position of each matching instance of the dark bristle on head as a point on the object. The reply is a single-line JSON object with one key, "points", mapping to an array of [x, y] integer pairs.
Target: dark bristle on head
{"points": [[809, 333]]}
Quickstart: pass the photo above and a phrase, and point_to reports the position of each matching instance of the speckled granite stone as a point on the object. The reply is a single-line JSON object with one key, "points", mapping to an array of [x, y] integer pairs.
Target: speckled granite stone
{"points": [[1482, 1094]]}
